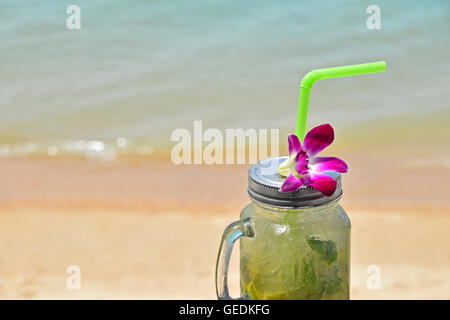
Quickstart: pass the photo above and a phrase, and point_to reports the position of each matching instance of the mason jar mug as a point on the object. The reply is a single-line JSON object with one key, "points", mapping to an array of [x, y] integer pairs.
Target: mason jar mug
{"points": [[293, 245]]}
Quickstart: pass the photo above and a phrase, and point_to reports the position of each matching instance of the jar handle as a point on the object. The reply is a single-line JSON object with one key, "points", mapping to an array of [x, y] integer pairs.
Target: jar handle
{"points": [[234, 231]]}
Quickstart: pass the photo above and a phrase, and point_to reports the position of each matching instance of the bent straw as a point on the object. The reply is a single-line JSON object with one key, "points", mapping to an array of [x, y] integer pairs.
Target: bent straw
{"points": [[327, 73]]}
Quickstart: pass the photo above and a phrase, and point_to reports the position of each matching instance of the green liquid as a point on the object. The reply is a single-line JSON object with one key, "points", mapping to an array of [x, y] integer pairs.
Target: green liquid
{"points": [[296, 253]]}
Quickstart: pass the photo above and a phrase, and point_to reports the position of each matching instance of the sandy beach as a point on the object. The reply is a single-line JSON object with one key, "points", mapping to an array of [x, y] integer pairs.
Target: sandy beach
{"points": [[134, 234]]}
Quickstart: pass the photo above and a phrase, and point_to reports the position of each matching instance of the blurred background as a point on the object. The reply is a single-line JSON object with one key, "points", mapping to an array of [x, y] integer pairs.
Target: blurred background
{"points": [[86, 118]]}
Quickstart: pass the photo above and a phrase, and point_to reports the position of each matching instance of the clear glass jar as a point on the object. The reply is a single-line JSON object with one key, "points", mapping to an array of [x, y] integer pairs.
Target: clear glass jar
{"points": [[300, 251]]}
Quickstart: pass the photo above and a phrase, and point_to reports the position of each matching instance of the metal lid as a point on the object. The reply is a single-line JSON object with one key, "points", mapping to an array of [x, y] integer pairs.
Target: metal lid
{"points": [[264, 184]]}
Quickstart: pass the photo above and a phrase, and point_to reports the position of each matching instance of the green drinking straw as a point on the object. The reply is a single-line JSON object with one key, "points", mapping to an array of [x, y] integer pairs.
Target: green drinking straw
{"points": [[318, 74]]}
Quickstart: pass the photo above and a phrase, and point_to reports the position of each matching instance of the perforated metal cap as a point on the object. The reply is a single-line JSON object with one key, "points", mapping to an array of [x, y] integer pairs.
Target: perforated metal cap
{"points": [[264, 184]]}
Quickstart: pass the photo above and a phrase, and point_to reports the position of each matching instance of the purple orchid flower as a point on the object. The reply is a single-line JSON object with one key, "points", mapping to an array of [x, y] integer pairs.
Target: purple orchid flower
{"points": [[304, 168]]}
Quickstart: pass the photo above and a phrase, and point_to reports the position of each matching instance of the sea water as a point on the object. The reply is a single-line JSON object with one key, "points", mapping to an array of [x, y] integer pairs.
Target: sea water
{"points": [[137, 70]]}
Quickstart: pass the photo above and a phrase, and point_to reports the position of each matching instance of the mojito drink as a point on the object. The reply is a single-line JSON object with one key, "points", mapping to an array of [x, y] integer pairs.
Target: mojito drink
{"points": [[299, 253]]}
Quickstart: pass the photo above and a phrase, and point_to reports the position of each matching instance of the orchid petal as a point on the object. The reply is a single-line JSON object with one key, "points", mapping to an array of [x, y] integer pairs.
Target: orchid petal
{"points": [[302, 163], [291, 184], [324, 183], [301, 156], [321, 164], [318, 139], [294, 144]]}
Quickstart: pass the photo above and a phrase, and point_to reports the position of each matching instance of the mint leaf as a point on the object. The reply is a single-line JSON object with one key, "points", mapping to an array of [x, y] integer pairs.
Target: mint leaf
{"points": [[325, 248]]}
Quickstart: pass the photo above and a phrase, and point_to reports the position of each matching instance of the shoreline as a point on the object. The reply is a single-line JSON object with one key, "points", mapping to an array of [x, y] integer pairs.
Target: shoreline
{"points": [[154, 183], [429, 131]]}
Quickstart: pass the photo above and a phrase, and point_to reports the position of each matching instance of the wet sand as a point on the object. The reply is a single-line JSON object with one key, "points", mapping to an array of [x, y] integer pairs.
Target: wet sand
{"points": [[136, 232]]}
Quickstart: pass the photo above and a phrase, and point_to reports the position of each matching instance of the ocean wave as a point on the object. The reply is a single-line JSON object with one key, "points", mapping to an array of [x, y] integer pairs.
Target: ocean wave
{"points": [[90, 149]]}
